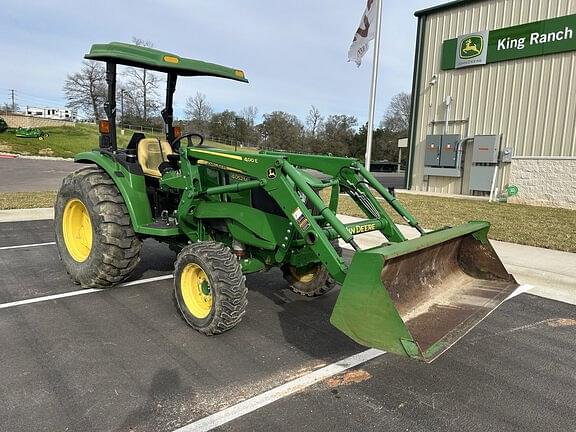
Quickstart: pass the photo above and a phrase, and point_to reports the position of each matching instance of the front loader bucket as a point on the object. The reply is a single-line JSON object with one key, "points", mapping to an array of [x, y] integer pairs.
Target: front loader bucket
{"points": [[417, 298]]}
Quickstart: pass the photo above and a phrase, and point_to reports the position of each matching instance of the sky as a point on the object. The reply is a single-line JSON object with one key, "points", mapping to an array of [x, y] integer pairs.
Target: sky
{"points": [[293, 52]]}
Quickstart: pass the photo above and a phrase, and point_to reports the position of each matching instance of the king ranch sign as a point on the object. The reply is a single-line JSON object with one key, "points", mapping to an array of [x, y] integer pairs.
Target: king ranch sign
{"points": [[538, 38]]}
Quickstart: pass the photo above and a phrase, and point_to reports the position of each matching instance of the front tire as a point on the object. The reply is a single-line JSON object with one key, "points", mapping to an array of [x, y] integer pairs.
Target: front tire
{"points": [[209, 287], [94, 234]]}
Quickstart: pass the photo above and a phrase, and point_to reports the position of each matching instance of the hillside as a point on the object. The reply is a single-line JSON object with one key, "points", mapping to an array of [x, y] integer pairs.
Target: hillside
{"points": [[67, 141]]}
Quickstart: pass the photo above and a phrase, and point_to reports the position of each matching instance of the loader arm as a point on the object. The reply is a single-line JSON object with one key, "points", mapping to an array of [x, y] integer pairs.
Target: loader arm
{"points": [[281, 176], [411, 297]]}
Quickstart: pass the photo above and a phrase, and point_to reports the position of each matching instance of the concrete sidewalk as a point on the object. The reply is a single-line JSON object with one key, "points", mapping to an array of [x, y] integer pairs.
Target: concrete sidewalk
{"points": [[551, 272]]}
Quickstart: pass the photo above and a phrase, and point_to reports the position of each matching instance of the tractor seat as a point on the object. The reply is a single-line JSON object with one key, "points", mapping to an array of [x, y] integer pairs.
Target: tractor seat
{"points": [[150, 156]]}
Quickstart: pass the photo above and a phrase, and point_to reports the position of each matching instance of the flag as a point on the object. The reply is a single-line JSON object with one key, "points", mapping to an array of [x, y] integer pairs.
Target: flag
{"points": [[365, 33]]}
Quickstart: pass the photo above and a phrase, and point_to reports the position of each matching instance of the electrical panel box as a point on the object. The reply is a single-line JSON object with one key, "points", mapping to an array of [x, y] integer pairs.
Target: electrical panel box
{"points": [[449, 151], [506, 155], [486, 149], [432, 153], [481, 177]]}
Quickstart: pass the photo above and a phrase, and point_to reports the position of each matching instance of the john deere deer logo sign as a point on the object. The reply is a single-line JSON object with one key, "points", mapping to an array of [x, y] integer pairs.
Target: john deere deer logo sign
{"points": [[538, 38], [471, 47]]}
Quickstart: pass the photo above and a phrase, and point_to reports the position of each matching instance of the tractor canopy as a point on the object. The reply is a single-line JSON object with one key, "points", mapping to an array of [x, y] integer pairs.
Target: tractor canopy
{"points": [[115, 53], [153, 59]]}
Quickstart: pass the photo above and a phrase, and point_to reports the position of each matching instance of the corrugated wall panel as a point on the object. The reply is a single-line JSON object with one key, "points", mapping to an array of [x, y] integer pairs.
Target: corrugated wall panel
{"points": [[531, 102]]}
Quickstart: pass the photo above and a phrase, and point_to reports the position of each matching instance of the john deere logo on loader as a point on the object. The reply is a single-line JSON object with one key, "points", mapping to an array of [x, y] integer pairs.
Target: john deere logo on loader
{"points": [[471, 47], [271, 173]]}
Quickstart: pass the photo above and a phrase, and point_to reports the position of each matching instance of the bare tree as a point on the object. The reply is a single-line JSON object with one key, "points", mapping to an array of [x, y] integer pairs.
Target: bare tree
{"points": [[198, 111], [86, 90], [249, 115], [141, 88], [9, 108], [397, 115], [314, 121]]}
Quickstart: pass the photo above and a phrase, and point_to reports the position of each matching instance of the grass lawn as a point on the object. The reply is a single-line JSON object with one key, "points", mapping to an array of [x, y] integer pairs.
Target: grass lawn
{"points": [[67, 141], [546, 227], [19, 200]]}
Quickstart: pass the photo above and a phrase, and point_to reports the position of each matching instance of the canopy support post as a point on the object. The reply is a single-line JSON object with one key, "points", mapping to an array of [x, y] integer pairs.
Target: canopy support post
{"points": [[168, 112], [110, 105]]}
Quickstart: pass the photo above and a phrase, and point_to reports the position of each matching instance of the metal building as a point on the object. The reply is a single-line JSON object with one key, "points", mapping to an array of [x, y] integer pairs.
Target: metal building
{"points": [[51, 113], [494, 100]]}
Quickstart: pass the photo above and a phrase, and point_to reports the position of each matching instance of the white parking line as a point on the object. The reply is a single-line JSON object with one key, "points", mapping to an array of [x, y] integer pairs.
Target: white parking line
{"points": [[81, 292], [147, 280], [47, 298], [287, 389], [249, 405], [26, 246]]}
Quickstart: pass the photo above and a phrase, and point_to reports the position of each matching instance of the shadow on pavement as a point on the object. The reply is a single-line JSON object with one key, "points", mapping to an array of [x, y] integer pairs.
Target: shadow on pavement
{"points": [[156, 258], [165, 385], [305, 322]]}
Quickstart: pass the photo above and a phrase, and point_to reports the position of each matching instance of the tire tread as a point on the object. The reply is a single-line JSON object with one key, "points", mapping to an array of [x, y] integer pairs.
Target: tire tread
{"points": [[223, 268], [119, 247]]}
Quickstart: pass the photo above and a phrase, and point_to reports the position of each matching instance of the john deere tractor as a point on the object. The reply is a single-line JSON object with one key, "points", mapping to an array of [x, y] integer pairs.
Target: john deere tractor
{"points": [[231, 213]]}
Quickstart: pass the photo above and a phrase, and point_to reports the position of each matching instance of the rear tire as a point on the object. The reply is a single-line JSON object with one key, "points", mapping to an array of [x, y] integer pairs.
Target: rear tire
{"points": [[310, 281], [209, 287], [94, 233]]}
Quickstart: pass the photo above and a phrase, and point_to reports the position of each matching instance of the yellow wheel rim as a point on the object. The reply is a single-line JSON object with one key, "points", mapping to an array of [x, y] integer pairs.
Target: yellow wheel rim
{"points": [[77, 230], [196, 291], [305, 274]]}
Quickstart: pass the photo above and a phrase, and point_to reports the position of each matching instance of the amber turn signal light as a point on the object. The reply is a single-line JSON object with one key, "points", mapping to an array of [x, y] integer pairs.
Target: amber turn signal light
{"points": [[104, 126]]}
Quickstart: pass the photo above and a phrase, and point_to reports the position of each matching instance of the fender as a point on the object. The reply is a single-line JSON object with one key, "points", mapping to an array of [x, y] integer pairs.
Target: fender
{"points": [[131, 186], [248, 225]]}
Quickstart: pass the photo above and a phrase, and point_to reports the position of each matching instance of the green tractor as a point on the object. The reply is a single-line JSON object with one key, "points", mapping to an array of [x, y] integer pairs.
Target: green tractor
{"points": [[233, 213], [23, 132]]}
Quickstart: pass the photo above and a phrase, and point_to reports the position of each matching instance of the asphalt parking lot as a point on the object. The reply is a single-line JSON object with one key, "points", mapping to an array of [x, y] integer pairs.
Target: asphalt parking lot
{"points": [[48, 175], [123, 360], [34, 175], [395, 180]]}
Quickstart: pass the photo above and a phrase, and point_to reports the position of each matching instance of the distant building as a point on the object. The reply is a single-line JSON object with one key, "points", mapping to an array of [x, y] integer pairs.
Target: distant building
{"points": [[494, 100], [51, 113]]}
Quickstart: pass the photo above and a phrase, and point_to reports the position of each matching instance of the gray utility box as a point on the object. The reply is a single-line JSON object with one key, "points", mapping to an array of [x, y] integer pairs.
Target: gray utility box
{"points": [[486, 149], [481, 177], [432, 153], [506, 155], [441, 151], [449, 152]]}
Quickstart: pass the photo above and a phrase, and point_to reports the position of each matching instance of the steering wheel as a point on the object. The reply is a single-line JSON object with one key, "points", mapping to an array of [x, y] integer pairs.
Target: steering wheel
{"points": [[176, 142]]}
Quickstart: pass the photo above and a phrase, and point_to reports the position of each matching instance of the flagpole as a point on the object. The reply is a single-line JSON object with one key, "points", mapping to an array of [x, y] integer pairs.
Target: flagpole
{"points": [[376, 57]]}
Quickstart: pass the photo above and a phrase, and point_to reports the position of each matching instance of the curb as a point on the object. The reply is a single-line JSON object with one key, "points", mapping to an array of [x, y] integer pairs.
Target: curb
{"points": [[21, 215], [19, 156]]}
